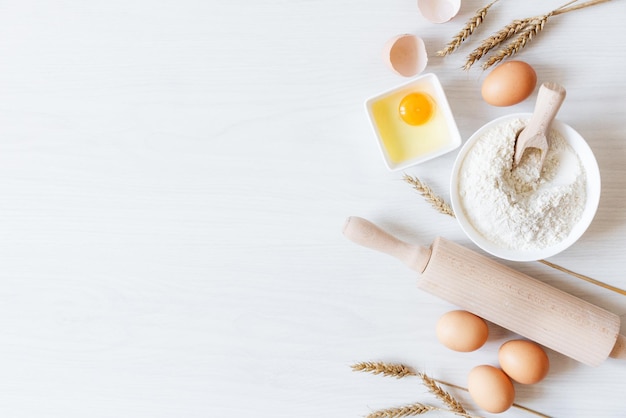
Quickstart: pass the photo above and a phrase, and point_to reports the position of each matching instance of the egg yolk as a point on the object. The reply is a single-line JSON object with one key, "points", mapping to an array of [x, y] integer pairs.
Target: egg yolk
{"points": [[416, 108]]}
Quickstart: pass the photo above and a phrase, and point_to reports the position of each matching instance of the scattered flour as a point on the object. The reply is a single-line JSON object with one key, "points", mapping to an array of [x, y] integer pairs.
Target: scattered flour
{"points": [[516, 208]]}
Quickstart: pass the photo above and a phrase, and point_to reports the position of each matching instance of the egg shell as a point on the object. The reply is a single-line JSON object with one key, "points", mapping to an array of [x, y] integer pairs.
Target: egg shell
{"points": [[491, 388], [406, 55], [462, 331], [509, 83], [524, 361], [439, 11]]}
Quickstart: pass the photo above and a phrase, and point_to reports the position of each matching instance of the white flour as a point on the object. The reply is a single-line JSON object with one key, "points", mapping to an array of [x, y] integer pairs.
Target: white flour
{"points": [[516, 208]]}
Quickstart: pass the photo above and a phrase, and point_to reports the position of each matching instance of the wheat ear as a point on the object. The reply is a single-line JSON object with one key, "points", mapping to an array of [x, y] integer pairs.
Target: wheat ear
{"points": [[430, 196], [532, 29], [467, 30], [526, 29], [496, 39], [399, 371], [454, 405], [524, 37], [404, 411], [386, 369]]}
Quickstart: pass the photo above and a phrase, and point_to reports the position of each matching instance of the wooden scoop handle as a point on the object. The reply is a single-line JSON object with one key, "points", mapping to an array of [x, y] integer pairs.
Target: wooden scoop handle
{"points": [[365, 233], [549, 100], [535, 134]]}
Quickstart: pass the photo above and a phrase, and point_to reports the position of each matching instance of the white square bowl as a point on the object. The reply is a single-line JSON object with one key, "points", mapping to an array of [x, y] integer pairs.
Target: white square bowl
{"points": [[443, 136]]}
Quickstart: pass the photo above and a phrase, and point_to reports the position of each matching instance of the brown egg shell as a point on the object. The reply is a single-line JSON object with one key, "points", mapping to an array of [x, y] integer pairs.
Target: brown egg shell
{"points": [[406, 55]]}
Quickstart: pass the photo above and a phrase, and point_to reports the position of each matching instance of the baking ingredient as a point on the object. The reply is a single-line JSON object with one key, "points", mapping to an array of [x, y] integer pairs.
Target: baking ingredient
{"points": [[462, 331], [494, 40], [403, 141], [524, 361], [509, 83], [472, 24], [517, 208], [434, 386], [525, 29], [443, 207], [435, 200], [502, 295], [406, 55], [491, 388], [439, 11], [416, 108]]}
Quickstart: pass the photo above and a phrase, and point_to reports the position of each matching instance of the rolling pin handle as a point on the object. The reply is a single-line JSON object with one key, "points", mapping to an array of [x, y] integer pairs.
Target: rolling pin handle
{"points": [[619, 350], [365, 233]]}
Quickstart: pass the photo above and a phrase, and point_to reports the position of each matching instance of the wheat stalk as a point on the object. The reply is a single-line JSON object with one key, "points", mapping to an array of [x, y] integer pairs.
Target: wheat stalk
{"points": [[526, 29], [411, 410], [531, 30], [399, 371], [404, 411], [583, 277], [525, 36], [564, 9], [472, 24], [435, 201], [386, 369], [454, 405], [496, 39]]}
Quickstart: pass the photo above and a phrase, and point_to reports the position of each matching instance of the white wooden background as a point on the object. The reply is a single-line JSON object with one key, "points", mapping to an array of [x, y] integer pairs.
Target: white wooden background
{"points": [[174, 176]]}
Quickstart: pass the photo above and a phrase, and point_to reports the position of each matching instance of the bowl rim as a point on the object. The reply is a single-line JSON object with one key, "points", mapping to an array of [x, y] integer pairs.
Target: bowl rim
{"points": [[593, 191]]}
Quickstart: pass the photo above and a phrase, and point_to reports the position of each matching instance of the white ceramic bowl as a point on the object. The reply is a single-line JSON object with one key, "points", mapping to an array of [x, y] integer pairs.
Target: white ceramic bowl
{"points": [[444, 129], [593, 186]]}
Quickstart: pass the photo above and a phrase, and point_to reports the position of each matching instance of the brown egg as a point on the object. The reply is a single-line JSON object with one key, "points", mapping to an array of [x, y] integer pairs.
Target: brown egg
{"points": [[462, 331], [524, 361], [406, 55], [509, 83], [491, 388]]}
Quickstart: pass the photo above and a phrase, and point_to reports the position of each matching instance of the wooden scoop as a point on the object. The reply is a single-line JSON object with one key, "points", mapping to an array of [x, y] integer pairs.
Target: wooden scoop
{"points": [[502, 295], [535, 134]]}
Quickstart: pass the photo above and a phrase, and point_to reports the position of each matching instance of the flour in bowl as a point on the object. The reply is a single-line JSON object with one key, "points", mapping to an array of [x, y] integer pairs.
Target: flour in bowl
{"points": [[515, 207]]}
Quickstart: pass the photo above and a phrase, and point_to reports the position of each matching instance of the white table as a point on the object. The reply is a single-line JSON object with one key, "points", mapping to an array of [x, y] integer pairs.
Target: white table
{"points": [[174, 177]]}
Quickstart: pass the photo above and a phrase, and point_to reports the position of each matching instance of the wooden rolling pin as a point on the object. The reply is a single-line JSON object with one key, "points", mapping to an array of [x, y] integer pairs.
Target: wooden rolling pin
{"points": [[502, 295]]}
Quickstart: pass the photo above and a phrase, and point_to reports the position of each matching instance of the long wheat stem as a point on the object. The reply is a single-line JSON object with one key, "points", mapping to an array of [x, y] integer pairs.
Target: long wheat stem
{"points": [[526, 29], [564, 9], [531, 30]]}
